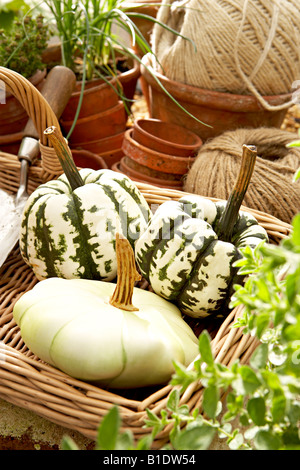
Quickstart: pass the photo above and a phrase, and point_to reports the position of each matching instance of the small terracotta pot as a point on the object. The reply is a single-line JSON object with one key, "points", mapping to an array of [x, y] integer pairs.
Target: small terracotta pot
{"points": [[112, 156], [98, 96], [166, 137], [10, 143], [112, 142], [133, 165], [13, 117], [142, 178], [97, 126], [85, 159], [145, 26], [155, 160], [221, 111], [129, 80]]}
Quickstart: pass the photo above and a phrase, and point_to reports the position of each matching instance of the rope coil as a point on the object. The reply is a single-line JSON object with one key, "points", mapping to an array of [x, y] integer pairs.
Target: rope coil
{"points": [[271, 189], [241, 47]]}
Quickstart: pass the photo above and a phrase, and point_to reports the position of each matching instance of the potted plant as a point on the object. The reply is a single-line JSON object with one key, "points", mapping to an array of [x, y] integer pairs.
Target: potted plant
{"points": [[218, 111], [233, 76], [98, 42], [95, 44], [21, 49]]}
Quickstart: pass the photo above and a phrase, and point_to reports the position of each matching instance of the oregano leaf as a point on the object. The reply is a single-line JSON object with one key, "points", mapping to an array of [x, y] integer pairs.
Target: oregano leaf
{"points": [[259, 357], [210, 400], [196, 438], [108, 430], [257, 410], [205, 348]]}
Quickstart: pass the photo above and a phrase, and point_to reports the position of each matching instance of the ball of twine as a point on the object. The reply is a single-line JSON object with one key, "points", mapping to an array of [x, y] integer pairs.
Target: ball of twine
{"points": [[271, 189], [242, 47]]}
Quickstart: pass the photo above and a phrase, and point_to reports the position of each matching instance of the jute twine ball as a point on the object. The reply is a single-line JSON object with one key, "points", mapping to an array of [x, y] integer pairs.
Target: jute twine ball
{"points": [[243, 46], [271, 189]]}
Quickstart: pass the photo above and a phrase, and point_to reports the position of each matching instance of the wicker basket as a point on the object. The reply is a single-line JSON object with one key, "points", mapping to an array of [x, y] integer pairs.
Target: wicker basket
{"points": [[31, 384]]}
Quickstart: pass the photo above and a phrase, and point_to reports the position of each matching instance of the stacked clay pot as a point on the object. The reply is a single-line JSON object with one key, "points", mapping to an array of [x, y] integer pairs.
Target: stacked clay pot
{"points": [[215, 112], [13, 117], [158, 153], [102, 119]]}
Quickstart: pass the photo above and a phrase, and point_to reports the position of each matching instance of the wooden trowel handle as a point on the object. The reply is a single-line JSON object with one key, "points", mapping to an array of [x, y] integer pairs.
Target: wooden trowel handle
{"points": [[57, 90]]}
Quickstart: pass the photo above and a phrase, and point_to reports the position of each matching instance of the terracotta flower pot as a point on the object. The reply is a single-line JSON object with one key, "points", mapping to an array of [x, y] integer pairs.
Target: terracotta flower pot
{"points": [[121, 167], [166, 137], [155, 160], [221, 111], [134, 166], [112, 142], [128, 80], [145, 26], [112, 156], [13, 117], [10, 143], [97, 126], [85, 159], [102, 113], [98, 97]]}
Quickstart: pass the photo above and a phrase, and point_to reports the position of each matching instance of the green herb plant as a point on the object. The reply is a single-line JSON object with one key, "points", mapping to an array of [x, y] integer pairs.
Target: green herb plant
{"points": [[260, 407], [95, 31], [11, 10], [22, 46], [95, 34]]}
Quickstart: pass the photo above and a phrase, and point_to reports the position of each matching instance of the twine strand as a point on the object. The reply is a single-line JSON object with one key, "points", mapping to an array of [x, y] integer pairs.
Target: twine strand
{"points": [[242, 47], [271, 189]]}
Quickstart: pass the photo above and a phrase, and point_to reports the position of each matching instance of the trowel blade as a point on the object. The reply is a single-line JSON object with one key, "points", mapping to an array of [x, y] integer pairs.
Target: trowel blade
{"points": [[10, 223]]}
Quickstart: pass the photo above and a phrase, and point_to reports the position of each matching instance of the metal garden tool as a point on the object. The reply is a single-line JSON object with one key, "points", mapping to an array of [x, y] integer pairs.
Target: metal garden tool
{"points": [[57, 90]]}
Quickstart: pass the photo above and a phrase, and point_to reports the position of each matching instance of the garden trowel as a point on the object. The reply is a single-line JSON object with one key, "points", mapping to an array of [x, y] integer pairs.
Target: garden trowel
{"points": [[57, 89]]}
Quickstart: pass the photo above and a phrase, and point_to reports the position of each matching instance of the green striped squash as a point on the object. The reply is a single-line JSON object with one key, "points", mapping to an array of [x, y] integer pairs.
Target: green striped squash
{"points": [[185, 261], [70, 233]]}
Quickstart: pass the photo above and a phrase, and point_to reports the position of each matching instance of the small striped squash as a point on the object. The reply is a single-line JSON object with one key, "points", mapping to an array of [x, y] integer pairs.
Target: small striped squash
{"points": [[71, 233], [189, 248], [183, 259]]}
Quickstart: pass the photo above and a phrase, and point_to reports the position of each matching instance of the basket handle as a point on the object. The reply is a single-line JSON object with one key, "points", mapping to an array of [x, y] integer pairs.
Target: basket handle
{"points": [[44, 109]]}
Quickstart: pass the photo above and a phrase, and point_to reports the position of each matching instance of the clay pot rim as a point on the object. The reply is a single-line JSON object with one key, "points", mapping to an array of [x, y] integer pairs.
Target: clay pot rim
{"points": [[94, 117], [96, 84], [154, 182], [135, 70], [189, 147], [111, 152], [100, 83], [146, 150], [210, 98], [94, 156], [105, 140], [151, 179], [9, 138]]}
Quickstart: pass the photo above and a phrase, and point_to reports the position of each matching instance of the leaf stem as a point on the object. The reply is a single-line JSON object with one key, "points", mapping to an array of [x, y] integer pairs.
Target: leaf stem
{"points": [[65, 157], [230, 214]]}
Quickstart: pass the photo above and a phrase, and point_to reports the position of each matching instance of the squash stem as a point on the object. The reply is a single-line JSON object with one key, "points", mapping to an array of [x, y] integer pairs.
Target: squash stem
{"points": [[127, 275], [230, 214], [65, 157]]}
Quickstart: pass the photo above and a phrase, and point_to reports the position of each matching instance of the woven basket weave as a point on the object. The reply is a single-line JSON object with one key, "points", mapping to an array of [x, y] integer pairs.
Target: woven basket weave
{"points": [[31, 384]]}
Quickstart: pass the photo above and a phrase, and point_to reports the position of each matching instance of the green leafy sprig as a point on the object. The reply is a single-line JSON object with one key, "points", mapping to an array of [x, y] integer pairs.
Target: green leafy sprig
{"points": [[22, 46], [250, 406]]}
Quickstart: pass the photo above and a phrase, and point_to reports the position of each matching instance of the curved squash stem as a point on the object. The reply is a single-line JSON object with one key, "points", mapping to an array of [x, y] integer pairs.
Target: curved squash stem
{"points": [[65, 157], [230, 214], [127, 275]]}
